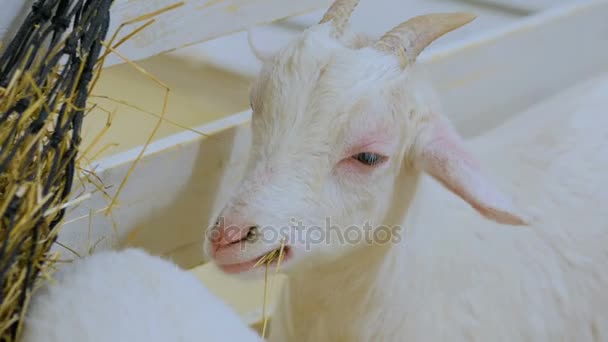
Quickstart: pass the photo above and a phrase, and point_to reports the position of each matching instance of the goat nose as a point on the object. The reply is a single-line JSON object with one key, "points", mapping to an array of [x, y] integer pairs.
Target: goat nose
{"points": [[228, 232]]}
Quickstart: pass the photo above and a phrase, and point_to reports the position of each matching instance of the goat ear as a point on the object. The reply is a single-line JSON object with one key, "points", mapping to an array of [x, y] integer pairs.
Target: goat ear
{"points": [[440, 153], [260, 54]]}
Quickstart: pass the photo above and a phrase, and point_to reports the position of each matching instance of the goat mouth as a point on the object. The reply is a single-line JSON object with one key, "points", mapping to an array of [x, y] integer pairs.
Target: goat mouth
{"points": [[245, 266]]}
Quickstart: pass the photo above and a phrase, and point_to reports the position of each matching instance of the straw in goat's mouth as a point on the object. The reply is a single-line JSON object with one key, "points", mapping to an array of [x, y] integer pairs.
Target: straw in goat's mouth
{"points": [[266, 260], [271, 256]]}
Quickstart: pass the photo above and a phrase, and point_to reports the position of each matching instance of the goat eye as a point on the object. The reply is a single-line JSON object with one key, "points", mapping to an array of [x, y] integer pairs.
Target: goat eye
{"points": [[370, 159]]}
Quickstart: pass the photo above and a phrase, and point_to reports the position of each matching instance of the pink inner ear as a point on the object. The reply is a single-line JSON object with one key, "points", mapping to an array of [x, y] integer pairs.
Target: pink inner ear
{"points": [[443, 156]]}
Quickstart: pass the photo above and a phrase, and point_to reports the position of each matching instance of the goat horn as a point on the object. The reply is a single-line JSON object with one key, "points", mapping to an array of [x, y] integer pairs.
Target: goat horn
{"points": [[339, 13], [410, 38]]}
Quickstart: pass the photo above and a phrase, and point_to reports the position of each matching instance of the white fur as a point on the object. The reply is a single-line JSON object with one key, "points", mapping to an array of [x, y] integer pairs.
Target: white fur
{"points": [[133, 297], [530, 268]]}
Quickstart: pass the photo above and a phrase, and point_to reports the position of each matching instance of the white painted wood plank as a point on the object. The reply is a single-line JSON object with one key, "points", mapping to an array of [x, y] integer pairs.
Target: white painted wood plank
{"points": [[193, 22], [527, 5], [199, 20]]}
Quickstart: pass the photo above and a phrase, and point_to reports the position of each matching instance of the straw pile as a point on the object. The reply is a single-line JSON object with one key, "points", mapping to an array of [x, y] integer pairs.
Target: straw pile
{"points": [[45, 76]]}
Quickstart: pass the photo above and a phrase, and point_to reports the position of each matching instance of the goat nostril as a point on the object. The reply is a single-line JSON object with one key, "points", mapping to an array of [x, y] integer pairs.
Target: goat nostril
{"points": [[252, 234]]}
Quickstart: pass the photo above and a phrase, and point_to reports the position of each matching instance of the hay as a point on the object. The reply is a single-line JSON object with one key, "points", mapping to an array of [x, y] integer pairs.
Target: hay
{"points": [[267, 260], [46, 75], [156, 126]]}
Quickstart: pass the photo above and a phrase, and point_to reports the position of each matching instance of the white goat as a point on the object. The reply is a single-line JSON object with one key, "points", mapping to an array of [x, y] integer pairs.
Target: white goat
{"points": [[129, 296], [348, 131]]}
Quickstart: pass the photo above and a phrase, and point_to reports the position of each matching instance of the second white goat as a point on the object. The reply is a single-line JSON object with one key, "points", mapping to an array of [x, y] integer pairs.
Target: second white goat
{"points": [[130, 296]]}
